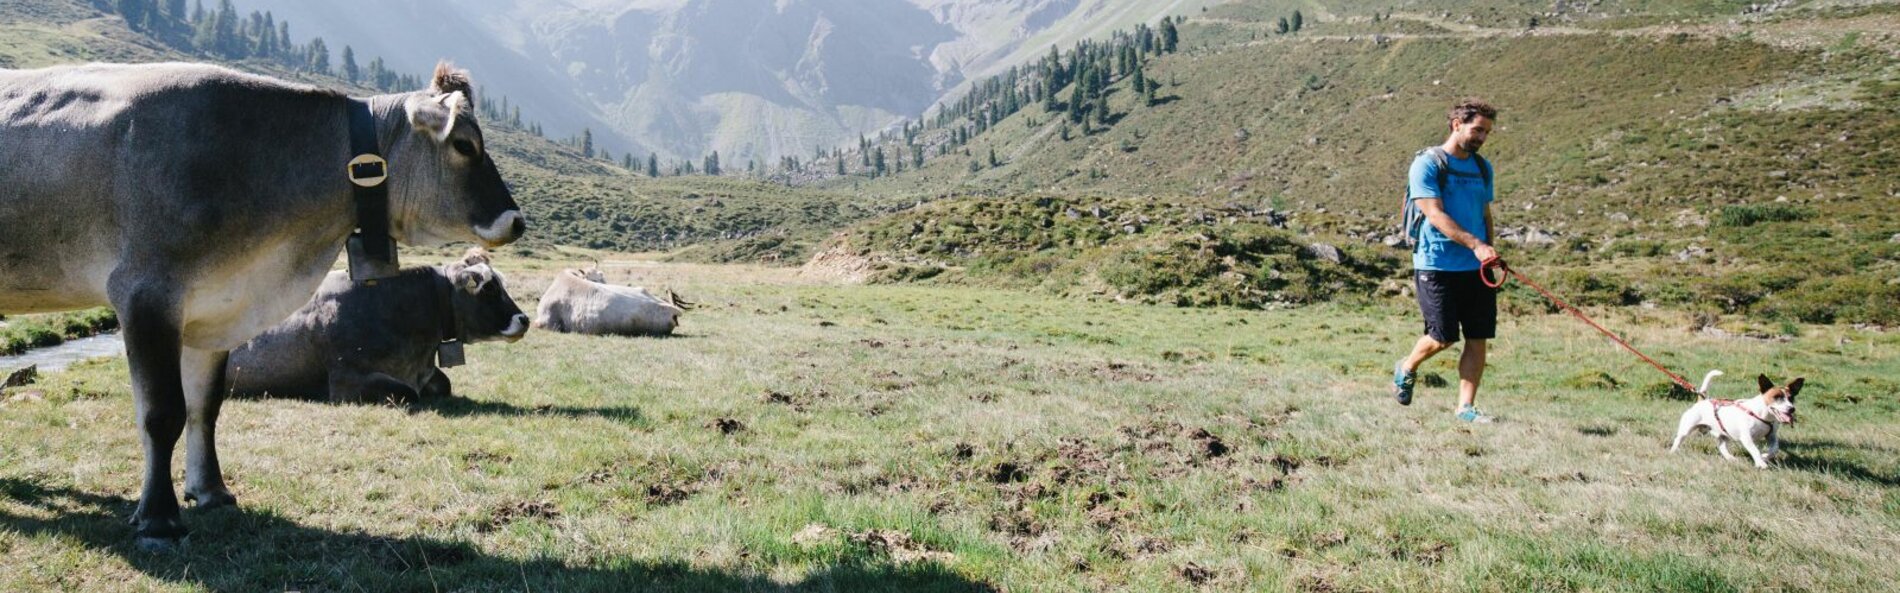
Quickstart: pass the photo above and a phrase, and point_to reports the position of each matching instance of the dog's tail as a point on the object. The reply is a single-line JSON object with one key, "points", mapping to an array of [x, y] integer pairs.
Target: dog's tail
{"points": [[1706, 379]]}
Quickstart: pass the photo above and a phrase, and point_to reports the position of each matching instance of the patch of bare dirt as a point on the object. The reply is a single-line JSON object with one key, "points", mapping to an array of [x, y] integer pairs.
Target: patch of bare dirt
{"points": [[501, 517], [839, 263], [473, 460], [1194, 574], [726, 426], [899, 546]]}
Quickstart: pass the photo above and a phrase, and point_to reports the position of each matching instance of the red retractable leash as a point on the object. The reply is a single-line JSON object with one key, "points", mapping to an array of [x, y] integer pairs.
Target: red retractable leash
{"points": [[1505, 272]]}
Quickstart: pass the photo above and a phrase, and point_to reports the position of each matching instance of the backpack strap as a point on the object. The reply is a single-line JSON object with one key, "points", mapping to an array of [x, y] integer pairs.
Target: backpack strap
{"points": [[1443, 160], [1415, 220]]}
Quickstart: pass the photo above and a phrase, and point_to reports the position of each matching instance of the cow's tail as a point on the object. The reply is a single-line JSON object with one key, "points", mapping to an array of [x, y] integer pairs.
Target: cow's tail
{"points": [[683, 304]]}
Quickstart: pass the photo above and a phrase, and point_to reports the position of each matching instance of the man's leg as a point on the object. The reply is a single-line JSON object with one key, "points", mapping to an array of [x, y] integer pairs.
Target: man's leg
{"points": [[1470, 371], [1424, 350], [1478, 314], [1441, 331]]}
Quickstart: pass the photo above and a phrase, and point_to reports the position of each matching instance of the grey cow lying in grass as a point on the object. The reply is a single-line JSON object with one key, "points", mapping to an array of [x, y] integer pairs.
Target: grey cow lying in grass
{"points": [[583, 302], [370, 343]]}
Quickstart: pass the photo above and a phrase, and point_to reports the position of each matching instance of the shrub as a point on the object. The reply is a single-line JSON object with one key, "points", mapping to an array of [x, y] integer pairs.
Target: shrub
{"points": [[1667, 390], [1853, 299], [1750, 214]]}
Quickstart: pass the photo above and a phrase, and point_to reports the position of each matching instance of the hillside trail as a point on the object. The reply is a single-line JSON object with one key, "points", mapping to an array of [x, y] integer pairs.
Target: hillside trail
{"points": [[1805, 33]]}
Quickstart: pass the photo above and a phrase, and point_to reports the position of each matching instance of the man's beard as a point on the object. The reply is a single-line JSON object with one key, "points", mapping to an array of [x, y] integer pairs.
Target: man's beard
{"points": [[1472, 146]]}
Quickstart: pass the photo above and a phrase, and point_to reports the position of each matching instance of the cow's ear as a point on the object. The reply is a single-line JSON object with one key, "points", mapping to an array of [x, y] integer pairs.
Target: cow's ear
{"points": [[449, 79], [475, 255], [435, 115]]}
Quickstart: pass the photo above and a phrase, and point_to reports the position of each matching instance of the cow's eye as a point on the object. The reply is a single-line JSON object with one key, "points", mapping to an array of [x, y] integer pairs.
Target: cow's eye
{"points": [[465, 147]]}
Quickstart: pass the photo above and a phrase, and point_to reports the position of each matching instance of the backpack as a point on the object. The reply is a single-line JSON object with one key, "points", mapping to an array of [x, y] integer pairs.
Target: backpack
{"points": [[1414, 220]]}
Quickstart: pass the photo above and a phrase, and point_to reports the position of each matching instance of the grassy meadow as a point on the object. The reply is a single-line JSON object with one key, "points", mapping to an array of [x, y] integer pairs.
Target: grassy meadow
{"points": [[812, 437]]}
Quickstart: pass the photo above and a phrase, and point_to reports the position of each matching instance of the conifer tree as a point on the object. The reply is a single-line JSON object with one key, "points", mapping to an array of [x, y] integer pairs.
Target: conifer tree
{"points": [[133, 11], [224, 31], [350, 71], [319, 61], [1078, 101]]}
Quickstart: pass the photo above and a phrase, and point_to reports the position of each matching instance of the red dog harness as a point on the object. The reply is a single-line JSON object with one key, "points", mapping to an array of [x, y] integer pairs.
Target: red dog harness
{"points": [[1716, 408]]}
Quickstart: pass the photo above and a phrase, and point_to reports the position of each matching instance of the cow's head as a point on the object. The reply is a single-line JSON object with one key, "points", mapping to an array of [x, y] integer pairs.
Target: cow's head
{"points": [[445, 185], [482, 304]]}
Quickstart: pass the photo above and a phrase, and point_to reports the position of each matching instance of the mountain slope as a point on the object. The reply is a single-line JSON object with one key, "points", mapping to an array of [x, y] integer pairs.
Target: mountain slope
{"points": [[752, 79], [1670, 157]]}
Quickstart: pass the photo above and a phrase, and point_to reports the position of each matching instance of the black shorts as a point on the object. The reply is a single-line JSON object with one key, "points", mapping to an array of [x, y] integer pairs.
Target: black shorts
{"points": [[1455, 300]]}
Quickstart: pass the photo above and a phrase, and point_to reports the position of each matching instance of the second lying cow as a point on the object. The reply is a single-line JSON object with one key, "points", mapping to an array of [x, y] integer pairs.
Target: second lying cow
{"points": [[370, 343], [582, 302]]}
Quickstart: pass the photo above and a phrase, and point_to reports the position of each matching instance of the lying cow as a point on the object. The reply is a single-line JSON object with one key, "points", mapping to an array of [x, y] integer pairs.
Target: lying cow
{"points": [[582, 302], [370, 343], [205, 205]]}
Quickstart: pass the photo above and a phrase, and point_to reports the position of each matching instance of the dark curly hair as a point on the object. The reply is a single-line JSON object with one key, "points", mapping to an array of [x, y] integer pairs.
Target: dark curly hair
{"points": [[1469, 109]]}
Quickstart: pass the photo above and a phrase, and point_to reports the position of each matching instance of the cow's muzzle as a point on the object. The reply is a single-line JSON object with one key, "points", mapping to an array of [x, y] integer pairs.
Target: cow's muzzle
{"points": [[517, 327], [505, 229]]}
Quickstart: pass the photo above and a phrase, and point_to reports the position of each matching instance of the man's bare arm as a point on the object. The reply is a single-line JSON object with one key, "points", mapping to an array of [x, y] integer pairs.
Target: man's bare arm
{"points": [[1434, 211]]}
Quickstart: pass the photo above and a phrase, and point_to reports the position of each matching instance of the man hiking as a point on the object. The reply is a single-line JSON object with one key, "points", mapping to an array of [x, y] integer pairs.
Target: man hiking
{"points": [[1450, 186]]}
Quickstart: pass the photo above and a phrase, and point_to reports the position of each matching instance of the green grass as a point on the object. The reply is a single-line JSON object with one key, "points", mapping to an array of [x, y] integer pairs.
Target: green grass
{"points": [[25, 332], [979, 439]]}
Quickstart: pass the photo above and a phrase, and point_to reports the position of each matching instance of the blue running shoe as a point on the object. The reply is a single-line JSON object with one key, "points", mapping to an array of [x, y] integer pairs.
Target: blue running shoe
{"points": [[1472, 415], [1402, 383]]}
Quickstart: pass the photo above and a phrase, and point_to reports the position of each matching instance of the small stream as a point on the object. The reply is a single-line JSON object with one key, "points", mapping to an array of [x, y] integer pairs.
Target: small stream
{"points": [[57, 358]]}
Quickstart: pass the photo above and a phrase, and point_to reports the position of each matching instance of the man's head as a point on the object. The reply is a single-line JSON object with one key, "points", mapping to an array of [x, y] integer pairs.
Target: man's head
{"points": [[1471, 121]]}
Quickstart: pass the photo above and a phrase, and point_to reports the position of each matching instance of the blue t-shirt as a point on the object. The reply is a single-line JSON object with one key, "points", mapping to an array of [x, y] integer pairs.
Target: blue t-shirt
{"points": [[1465, 200]]}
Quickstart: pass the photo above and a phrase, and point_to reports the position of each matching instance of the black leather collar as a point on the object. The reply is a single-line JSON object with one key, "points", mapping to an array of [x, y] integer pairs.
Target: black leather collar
{"points": [[372, 252], [448, 350]]}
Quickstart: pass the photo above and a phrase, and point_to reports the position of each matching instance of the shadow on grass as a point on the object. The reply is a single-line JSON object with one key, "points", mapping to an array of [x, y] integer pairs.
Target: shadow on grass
{"points": [[455, 406], [1835, 458], [238, 549]]}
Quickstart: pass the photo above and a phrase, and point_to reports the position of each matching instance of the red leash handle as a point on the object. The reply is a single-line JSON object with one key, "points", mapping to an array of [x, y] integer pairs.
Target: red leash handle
{"points": [[1496, 263], [1505, 271]]}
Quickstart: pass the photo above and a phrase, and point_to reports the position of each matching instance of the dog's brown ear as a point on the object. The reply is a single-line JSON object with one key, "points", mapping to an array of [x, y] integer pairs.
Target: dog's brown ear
{"points": [[1765, 384], [1794, 387]]}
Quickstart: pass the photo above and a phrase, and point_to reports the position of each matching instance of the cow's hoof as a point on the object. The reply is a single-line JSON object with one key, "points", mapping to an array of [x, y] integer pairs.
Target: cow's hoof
{"points": [[210, 498], [159, 535], [160, 545]]}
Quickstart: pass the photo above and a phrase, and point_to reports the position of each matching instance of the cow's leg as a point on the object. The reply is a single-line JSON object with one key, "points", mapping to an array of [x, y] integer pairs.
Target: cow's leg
{"points": [[152, 349], [204, 393], [358, 387], [437, 386]]}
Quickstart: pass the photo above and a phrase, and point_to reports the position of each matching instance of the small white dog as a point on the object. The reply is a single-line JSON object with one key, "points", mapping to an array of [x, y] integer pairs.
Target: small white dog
{"points": [[1745, 420]]}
